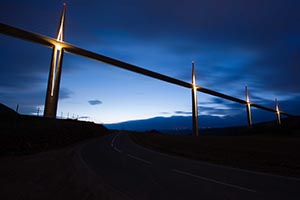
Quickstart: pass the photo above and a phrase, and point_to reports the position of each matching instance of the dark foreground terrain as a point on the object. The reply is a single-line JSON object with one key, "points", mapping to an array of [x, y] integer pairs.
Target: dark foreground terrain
{"points": [[270, 149], [21, 134], [40, 159], [68, 159]]}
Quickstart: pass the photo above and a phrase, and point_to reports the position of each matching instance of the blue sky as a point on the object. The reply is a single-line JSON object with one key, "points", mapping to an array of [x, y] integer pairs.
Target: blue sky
{"points": [[233, 44]]}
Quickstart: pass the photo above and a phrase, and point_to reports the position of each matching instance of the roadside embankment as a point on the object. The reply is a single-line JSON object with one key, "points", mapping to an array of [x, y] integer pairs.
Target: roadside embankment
{"points": [[264, 153], [24, 135]]}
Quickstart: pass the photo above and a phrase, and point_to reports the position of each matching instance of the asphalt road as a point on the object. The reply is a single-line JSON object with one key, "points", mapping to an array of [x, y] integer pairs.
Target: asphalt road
{"points": [[140, 173]]}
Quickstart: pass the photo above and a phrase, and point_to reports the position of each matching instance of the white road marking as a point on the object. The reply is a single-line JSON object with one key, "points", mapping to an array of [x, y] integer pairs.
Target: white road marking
{"points": [[217, 165], [113, 141], [118, 150], [212, 180], [113, 145], [140, 159]]}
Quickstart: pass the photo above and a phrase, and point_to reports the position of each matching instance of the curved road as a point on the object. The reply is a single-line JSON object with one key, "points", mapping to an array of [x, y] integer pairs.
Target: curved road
{"points": [[139, 173]]}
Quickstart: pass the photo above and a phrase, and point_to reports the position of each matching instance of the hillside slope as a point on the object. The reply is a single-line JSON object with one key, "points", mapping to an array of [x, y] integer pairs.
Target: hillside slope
{"points": [[21, 134]]}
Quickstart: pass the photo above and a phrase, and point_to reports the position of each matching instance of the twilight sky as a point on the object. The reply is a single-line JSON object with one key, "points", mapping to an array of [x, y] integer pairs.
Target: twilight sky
{"points": [[233, 43]]}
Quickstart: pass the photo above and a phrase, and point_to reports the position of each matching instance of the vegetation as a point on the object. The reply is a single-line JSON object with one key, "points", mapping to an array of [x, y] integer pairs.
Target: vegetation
{"points": [[273, 150], [21, 134]]}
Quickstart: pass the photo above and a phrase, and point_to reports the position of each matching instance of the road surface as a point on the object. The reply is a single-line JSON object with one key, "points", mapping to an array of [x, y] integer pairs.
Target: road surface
{"points": [[140, 173]]}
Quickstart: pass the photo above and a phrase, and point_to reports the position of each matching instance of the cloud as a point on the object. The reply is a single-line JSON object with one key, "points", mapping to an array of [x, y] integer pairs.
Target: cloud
{"points": [[234, 43], [94, 102], [28, 69], [282, 61], [183, 112], [164, 113], [28, 101], [291, 106], [65, 93]]}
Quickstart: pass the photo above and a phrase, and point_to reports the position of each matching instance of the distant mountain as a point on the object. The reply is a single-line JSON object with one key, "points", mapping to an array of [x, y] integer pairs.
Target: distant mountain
{"points": [[158, 123], [210, 125], [176, 123]]}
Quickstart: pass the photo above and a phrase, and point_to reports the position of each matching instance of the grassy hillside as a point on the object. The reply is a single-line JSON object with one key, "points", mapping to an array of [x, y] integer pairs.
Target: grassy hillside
{"points": [[273, 150], [21, 134]]}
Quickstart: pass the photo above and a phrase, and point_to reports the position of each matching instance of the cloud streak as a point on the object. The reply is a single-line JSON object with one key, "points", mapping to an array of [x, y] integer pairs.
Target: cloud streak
{"points": [[233, 43], [95, 102]]}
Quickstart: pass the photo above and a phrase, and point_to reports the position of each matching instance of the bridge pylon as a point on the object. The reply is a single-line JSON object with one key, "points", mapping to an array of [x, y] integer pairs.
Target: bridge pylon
{"points": [[248, 107], [194, 102], [55, 71], [277, 112]]}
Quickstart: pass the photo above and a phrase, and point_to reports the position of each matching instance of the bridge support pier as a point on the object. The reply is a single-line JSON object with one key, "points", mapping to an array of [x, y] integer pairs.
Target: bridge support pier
{"points": [[53, 83], [194, 102], [55, 72], [277, 112], [248, 107]]}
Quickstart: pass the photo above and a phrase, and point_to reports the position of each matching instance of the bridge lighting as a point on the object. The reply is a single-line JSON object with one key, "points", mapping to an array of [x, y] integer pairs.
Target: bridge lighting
{"points": [[60, 32], [277, 112], [55, 70], [194, 101], [248, 107], [56, 64], [58, 47]]}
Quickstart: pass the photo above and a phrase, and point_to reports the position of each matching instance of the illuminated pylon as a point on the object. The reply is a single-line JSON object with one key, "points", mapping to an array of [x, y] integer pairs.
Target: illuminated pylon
{"points": [[248, 107], [55, 71], [277, 112], [194, 102]]}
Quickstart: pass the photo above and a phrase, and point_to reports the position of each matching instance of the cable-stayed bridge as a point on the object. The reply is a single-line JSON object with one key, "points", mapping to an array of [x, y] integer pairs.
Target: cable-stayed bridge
{"points": [[59, 47]]}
